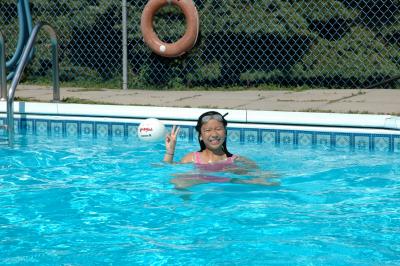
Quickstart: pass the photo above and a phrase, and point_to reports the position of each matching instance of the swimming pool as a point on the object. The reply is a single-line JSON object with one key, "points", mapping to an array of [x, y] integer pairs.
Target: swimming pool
{"points": [[86, 191]]}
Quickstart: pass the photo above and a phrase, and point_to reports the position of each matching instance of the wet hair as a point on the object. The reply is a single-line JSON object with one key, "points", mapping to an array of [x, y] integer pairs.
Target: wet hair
{"points": [[204, 118]]}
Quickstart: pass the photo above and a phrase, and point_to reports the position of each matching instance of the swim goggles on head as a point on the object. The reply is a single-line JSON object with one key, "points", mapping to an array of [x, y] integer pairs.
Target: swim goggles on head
{"points": [[217, 117]]}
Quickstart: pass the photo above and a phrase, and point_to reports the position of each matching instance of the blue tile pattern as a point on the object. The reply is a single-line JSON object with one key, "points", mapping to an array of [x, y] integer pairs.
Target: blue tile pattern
{"points": [[304, 139], [184, 134], [118, 131], [251, 136], [285, 138], [381, 143], [362, 142], [323, 140], [86, 129], [396, 144], [27, 127], [71, 129], [268, 137], [102, 130], [56, 128], [2, 130], [342, 140], [235, 135], [41, 127], [132, 130]]}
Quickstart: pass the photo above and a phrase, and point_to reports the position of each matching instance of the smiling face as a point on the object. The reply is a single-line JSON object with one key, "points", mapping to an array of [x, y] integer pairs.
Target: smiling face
{"points": [[213, 134]]}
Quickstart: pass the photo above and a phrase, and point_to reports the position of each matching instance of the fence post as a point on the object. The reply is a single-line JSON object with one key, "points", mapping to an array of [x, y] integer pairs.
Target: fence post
{"points": [[3, 77], [124, 47]]}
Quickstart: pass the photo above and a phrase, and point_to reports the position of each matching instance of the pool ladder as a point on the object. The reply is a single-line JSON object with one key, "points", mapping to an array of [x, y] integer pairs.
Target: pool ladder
{"points": [[7, 128]]}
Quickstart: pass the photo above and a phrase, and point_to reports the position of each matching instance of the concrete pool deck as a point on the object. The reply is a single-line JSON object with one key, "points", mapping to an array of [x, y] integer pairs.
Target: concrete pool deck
{"points": [[372, 101]]}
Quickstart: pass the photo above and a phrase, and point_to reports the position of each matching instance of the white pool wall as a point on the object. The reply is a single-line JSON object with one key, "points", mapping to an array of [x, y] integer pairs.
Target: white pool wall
{"points": [[303, 119]]}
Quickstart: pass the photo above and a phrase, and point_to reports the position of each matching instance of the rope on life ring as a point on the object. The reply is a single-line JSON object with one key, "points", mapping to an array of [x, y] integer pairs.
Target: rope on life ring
{"points": [[185, 43]]}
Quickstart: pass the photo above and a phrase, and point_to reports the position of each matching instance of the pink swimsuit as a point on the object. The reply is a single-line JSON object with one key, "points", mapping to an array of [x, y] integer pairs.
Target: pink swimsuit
{"points": [[218, 166], [213, 167]]}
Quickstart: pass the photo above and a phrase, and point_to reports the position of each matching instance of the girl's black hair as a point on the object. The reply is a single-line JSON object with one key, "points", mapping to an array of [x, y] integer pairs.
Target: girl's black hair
{"points": [[200, 123]]}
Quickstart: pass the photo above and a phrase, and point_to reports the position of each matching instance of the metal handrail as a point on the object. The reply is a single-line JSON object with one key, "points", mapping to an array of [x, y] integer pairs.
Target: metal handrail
{"points": [[3, 77], [21, 66]]}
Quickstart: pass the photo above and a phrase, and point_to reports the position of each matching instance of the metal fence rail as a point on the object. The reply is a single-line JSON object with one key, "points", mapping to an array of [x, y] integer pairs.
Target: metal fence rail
{"points": [[343, 43]]}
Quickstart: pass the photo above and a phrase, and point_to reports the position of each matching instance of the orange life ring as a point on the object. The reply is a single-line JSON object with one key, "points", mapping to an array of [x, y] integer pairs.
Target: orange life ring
{"points": [[185, 43]]}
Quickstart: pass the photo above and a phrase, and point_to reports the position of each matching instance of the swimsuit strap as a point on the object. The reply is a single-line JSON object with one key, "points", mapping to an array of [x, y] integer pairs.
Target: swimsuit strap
{"points": [[232, 158], [197, 159]]}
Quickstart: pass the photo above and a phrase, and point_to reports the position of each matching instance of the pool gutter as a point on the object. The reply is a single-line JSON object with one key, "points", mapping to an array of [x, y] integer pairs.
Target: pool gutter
{"points": [[191, 114]]}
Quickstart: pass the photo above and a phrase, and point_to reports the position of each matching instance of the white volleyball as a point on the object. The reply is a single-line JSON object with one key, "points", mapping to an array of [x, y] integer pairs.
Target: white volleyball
{"points": [[152, 130]]}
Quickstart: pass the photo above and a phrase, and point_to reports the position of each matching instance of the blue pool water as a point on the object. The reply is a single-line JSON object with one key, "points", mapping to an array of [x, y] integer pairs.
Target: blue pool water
{"points": [[89, 202]]}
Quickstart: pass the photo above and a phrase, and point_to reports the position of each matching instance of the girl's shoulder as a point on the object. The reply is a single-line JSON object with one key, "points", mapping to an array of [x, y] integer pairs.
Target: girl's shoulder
{"points": [[188, 158]]}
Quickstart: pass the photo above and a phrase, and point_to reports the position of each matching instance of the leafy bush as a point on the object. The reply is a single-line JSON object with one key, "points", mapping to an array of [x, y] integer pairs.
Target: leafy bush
{"points": [[332, 43]]}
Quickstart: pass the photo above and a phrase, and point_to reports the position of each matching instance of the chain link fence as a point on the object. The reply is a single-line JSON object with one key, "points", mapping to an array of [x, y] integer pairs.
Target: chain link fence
{"points": [[319, 43]]}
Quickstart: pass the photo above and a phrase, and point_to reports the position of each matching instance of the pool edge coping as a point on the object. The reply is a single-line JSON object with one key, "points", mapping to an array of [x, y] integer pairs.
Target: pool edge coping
{"points": [[258, 118]]}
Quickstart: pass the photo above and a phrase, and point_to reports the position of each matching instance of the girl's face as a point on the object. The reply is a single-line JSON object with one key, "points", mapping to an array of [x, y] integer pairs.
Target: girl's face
{"points": [[213, 134]]}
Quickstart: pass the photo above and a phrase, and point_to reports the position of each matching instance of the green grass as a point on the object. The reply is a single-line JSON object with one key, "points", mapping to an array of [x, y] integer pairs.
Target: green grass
{"points": [[86, 84], [83, 101], [23, 99], [100, 85]]}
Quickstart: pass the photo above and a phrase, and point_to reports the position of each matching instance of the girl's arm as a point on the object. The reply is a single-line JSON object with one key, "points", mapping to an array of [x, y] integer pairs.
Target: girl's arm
{"points": [[170, 143]]}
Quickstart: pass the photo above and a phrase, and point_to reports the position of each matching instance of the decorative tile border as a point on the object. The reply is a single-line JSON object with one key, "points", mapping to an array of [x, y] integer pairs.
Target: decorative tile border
{"points": [[381, 143], [362, 142], [305, 139], [342, 140], [281, 137], [235, 135], [268, 136], [396, 144]]}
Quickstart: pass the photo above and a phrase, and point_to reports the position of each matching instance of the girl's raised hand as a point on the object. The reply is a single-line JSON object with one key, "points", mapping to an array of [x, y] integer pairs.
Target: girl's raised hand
{"points": [[170, 140]]}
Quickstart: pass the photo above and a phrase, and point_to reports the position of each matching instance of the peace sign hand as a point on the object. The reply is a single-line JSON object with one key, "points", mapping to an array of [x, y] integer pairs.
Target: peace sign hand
{"points": [[170, 140]]}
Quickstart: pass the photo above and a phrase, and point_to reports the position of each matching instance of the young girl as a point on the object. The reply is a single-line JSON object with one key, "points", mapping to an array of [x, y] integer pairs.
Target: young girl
{"points": [[213, 155]]}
